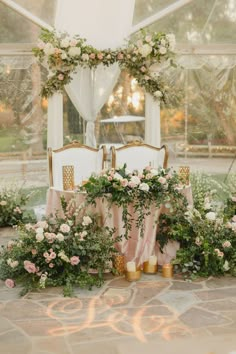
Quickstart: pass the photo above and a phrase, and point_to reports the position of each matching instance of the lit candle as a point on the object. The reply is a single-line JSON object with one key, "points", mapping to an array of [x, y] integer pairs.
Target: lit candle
{"points": [[167, 270], [152, 260], [131, 266]]}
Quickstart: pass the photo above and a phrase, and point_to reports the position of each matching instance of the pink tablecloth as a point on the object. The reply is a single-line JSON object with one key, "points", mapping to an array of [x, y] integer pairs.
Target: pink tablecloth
{"points": [[136, 248]]}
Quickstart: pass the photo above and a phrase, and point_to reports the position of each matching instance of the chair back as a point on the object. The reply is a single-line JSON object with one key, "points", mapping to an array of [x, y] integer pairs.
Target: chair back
{"points": [[138, 155], [85, 160]]}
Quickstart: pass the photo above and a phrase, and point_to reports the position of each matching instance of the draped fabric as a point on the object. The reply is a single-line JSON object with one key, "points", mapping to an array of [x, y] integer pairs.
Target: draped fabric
{"points": [[90, 89]]}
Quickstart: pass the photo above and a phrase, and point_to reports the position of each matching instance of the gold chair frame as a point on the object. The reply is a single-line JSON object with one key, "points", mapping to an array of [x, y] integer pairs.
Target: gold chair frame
{"points": [[74, 144], [138, 143]]}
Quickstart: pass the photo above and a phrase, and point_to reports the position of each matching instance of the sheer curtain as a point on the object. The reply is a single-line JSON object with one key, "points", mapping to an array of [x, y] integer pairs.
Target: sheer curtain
{"points": [[105, 24]]}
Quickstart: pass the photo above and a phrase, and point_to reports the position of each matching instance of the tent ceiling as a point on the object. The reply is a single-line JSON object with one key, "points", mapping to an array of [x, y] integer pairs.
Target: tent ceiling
{"points": [[195, 24]]}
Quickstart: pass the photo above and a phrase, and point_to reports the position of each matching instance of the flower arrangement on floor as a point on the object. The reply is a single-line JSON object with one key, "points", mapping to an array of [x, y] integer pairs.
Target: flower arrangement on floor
{"points": [[12, 202], [59, 252], [142, 189], [62, 54], [207, 236]]}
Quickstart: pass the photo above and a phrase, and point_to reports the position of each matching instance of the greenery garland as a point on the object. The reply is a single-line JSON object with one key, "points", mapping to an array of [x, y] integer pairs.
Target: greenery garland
{"points": [[62, 54]]}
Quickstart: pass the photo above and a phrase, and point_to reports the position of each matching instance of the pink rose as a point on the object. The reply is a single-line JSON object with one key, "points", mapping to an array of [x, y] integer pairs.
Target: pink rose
{"points": [[143, 69], [30, 267], [234, 218], [42, 224], [17, 210], [64, 228], [10, 283], [146, 77], [60, 77], [162, 180], [57, 50], [51, 265], [46, 254], [233, 199], [50, 236], [73, 42], [226, 244], [124, 182], [74, 260], [34, 251], [53, 255], [92, 56], [100, 56], [120, 56]]}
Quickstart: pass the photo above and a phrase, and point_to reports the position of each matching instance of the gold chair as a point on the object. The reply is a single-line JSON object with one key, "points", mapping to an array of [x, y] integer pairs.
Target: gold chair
{"points": [[85, 159], [138, 155]]}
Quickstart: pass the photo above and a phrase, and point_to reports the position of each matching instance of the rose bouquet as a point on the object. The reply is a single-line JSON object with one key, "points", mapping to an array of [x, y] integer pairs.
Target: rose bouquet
{"points": [[142, 189], [59, 252]]}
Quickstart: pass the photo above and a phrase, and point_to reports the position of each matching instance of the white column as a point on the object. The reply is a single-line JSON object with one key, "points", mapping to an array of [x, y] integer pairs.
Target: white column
{"points": [[152, 121], [55, 121]]}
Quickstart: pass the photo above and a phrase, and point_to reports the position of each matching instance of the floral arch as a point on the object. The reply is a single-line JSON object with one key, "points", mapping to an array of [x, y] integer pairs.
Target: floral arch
{"points": [[69, 58]]}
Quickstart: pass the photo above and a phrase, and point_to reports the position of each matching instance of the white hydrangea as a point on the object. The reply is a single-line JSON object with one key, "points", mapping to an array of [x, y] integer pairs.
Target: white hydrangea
{"points": [[211, 216], [48, 49], [145, 50], [65, 43], [74, 51]]}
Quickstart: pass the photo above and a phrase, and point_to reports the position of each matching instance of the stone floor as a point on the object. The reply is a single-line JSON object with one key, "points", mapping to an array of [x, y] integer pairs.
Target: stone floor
{"points": [[152, 315]]}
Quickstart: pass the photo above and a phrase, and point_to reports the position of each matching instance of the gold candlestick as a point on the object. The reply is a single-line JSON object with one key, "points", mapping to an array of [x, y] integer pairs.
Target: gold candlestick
{"points": [[184, 174], [150, 268], [68, 177], [167, 270]]}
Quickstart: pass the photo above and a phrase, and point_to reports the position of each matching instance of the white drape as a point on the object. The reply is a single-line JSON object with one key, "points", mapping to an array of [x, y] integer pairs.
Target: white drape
{"points": [[88, 91], [55, 121], [152, 121], [105, 24]]}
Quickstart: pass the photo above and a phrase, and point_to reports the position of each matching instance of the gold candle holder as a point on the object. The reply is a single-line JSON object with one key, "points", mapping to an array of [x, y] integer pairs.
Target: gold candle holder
{"points": [[133, 276], [68, 177], [167, 270], [150, 268], [184, 174], [119, 263]]}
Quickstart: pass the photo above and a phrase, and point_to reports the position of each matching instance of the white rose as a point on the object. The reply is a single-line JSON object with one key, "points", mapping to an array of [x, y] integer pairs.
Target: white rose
{"points": [[86, 220], [154, 172], [163, 42], [145, 50], [158, 94], [207, 206], [148, 38], [226, 266], [144, 187], [85, 57], [48, 49], [63, 55], [118, 176], [60, 237], [39, 237], [211, 216], [39, 230], [74, 51], [135, 180], [14, 264], [65, 43], [162, 50]]}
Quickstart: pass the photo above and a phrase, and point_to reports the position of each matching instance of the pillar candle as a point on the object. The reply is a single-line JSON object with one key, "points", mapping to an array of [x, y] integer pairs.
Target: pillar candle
{"points": [[131, 266]]}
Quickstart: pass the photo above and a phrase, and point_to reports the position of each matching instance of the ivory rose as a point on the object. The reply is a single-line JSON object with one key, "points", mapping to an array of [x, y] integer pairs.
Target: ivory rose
{"points": [[65, 228]]}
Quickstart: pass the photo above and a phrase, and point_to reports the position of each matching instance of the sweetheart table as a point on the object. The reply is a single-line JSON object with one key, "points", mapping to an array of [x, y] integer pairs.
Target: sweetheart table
{"points": [[135, 248]]}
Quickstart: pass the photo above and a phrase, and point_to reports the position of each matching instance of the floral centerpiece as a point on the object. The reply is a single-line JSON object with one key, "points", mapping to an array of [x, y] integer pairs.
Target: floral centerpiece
{"points": [[12, 202], [207, 236], [142, 189], [61, 54], [59, 252]]}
